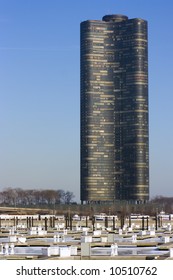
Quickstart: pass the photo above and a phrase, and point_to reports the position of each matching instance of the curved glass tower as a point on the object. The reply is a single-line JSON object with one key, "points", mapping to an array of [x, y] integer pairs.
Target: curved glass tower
{"points": [[114, 110]]}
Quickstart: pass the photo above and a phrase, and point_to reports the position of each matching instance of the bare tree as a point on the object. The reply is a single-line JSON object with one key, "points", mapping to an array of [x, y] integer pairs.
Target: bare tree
{"points": [[21, 197], [67, 197]]}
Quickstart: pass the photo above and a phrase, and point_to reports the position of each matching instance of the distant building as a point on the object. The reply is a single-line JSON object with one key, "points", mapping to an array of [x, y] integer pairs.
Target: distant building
{"points": [[114, 110]]}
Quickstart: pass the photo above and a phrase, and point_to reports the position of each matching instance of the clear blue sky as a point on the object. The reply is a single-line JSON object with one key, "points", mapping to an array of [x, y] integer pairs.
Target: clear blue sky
{"points": [[40, 90]]}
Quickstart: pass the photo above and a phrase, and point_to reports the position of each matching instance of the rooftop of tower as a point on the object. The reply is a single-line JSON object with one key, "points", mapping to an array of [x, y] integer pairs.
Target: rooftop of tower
{"points": [[115, 18]]}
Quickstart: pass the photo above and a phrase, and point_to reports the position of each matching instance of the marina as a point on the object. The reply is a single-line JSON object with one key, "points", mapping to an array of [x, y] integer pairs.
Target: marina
{"points": [[85, 238]]}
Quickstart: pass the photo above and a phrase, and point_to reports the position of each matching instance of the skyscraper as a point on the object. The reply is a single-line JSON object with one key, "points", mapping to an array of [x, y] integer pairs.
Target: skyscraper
{"points": [[114, 110]]}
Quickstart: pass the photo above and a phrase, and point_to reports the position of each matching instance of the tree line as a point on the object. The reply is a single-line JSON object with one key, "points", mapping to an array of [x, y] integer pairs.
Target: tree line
{"points": [[34, 197], [18, 197], [164, 203]]}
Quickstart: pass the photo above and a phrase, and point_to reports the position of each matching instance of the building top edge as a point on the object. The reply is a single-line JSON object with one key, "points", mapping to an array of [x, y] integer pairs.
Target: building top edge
{"points": [[114, 18]]}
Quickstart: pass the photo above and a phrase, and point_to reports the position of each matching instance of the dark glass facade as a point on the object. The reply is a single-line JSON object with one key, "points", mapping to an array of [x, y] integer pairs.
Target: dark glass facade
{"points": [[114, 110]]}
